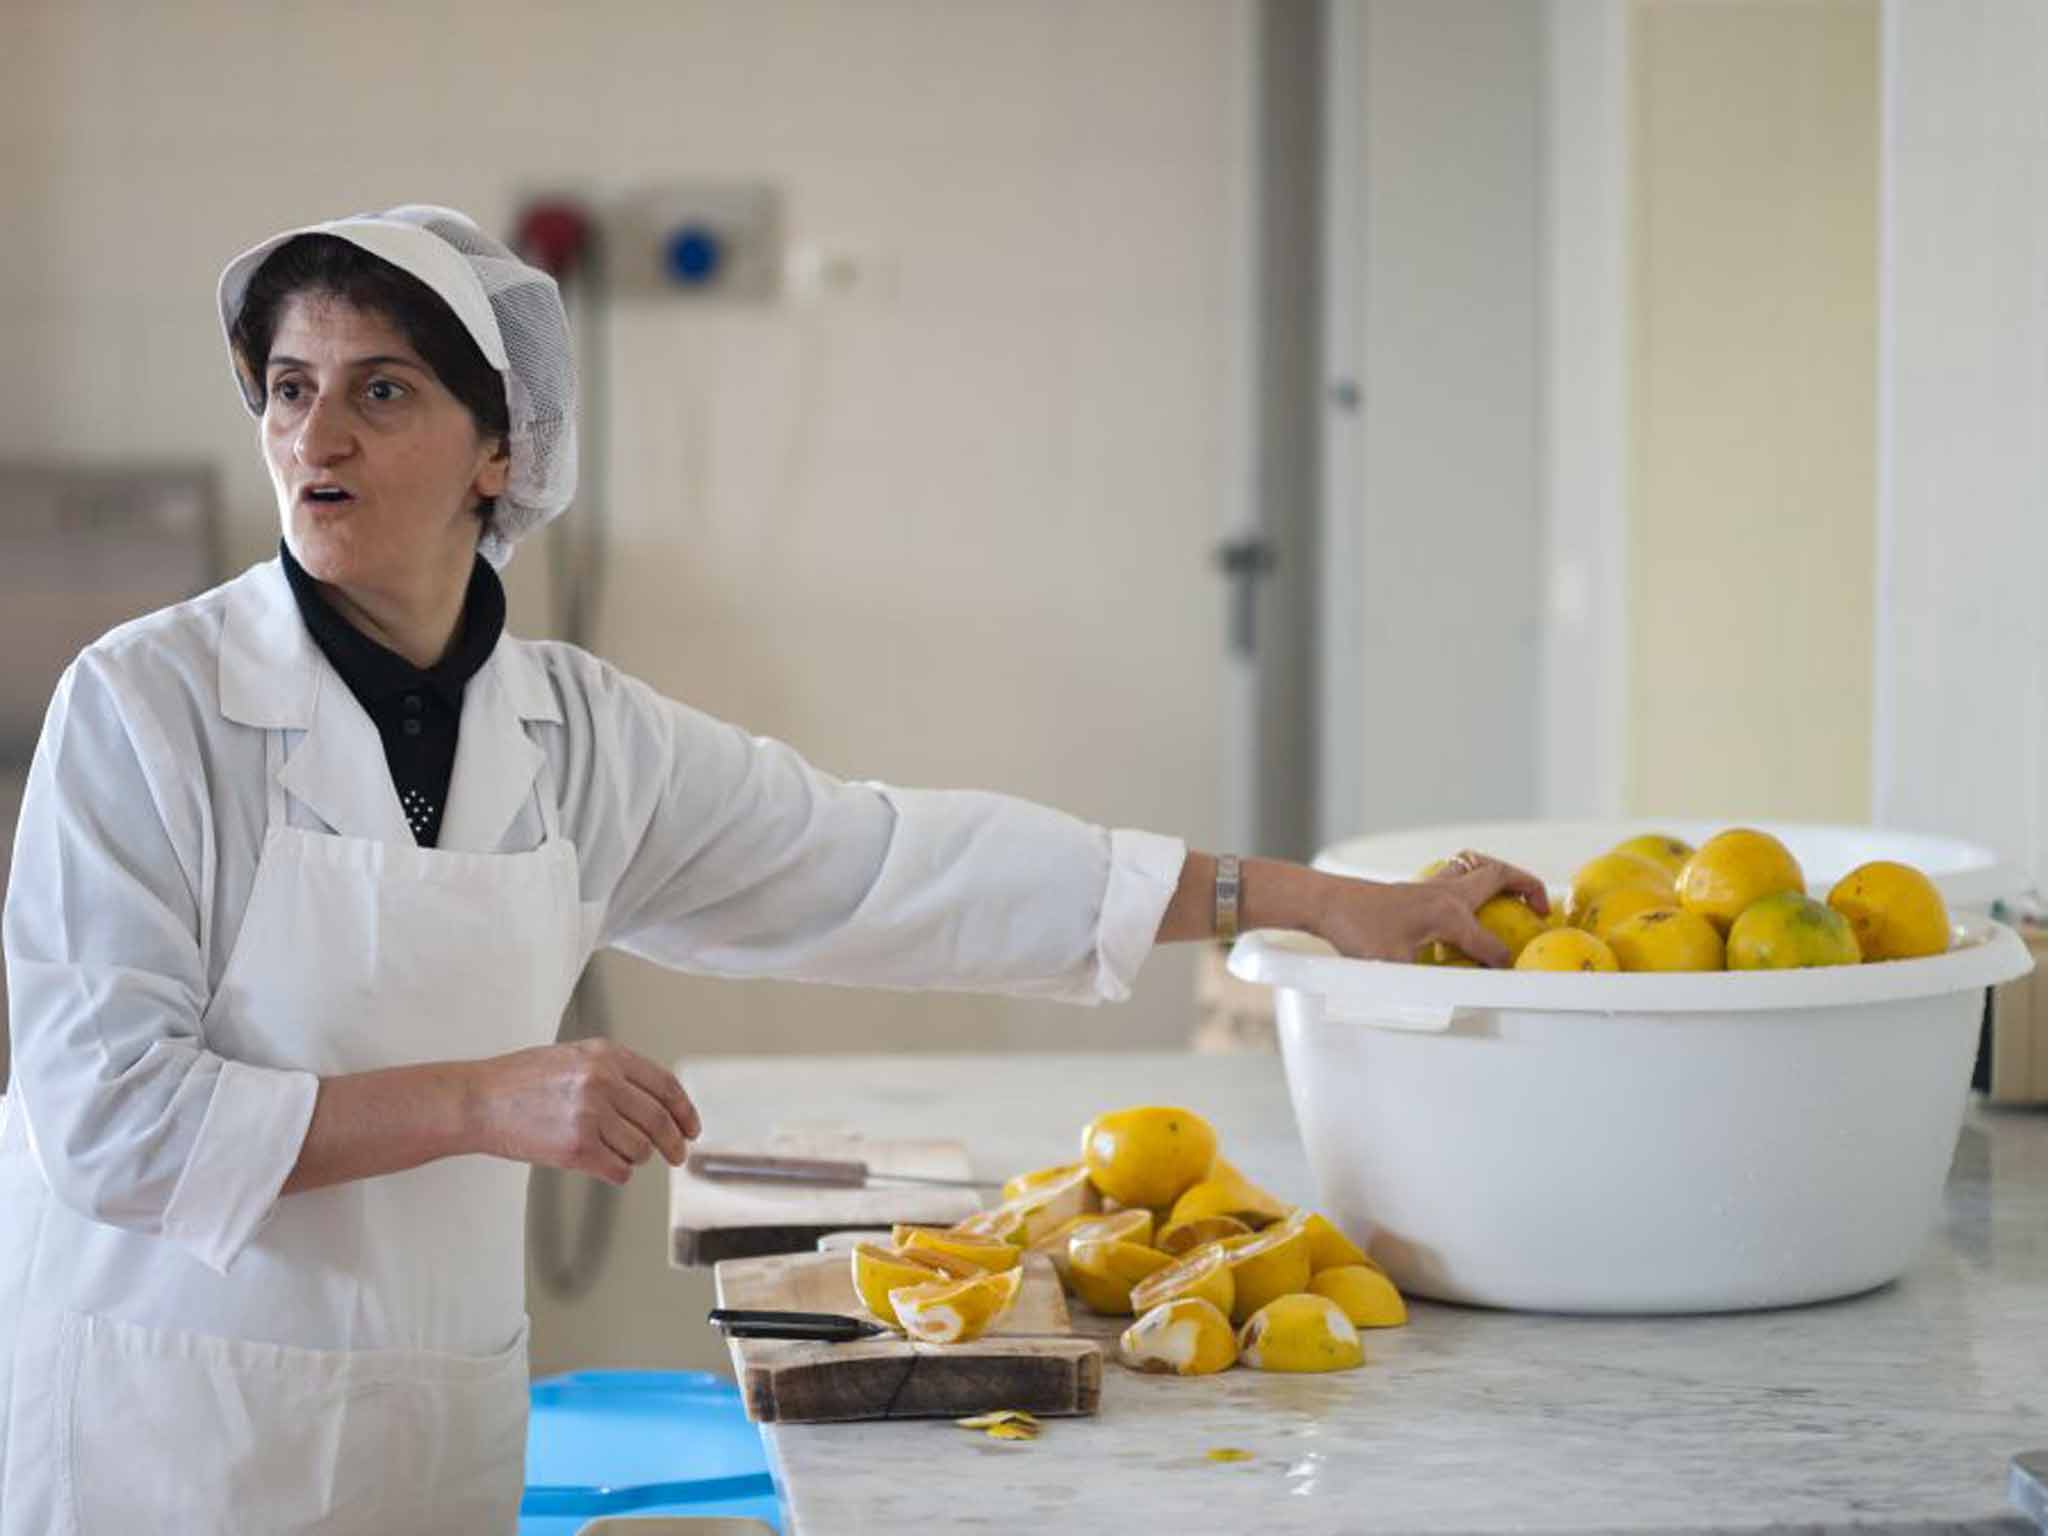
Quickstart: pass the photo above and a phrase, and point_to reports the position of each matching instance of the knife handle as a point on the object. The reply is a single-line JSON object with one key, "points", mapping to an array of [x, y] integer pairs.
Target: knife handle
{"points": [[817, 1171]]}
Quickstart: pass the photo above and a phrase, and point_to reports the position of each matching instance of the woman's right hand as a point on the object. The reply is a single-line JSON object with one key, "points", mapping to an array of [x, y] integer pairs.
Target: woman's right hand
{"points": [[590, 1105]]}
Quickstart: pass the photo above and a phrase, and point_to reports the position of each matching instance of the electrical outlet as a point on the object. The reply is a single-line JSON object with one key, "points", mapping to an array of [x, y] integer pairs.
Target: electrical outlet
{"points": [[697, 240]]}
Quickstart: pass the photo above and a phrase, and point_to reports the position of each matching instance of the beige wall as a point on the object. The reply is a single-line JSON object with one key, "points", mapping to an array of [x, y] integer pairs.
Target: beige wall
{"points": [[951, 530], [1754, 354]]}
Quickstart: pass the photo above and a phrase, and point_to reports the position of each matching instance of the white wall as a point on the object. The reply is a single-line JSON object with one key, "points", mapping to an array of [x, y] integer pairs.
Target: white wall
{"points": [[1963, 532]]}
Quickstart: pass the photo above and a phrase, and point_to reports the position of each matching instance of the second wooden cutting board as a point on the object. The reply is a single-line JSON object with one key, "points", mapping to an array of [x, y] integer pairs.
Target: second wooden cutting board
{"points": [[1032, 1360]]}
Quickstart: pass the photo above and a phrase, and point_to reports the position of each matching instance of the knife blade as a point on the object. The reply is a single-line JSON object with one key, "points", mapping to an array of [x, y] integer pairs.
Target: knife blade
{"points": [[816, 1172]]}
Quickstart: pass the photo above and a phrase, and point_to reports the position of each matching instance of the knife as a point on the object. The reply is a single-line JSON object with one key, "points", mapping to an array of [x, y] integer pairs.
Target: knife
{"points": [[833, 1328], [818, 1172]]}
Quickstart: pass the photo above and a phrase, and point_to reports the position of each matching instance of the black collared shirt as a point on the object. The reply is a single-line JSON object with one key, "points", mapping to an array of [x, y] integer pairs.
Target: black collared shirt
{"points": [[417, 710]]}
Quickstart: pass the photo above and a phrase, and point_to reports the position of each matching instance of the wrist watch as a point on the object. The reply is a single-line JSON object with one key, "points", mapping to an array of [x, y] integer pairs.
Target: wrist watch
{"points": [[1228, 883]]}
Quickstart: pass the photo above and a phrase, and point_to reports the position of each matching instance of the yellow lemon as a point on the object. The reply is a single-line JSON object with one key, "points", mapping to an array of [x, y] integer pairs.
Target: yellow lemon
{"points": [[1788, 931], [1133, 1226], [1617, 907], [1667, 939], [1327, 1247], [954, 1311], [1363, 1295], [878, 1270], [1051, 1203], [949, 1249], [1733, 871], [1178, 1237], [1226, 1192], [1896, 912], [1187, 1337], [1300, 1332], [1438, 953], [1567, 949], [1614, 872], [1205, 1274], [1001, 1223], [1024, 1183], [1149, 1154], [1508, 918], [1668, 853], [1103, 1270], [1265, 1265]]}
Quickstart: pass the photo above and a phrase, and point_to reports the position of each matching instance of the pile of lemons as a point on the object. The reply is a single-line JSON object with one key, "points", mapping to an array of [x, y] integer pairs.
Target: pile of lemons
{"points": [[1738, 902], [1151, 1223]]}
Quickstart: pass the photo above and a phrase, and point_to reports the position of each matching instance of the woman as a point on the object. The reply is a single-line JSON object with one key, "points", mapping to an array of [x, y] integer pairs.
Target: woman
{"points": [[307, 869]]}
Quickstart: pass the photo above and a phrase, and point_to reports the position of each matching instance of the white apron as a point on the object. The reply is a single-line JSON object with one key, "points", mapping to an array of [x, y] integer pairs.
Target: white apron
{"points": [[362, 1366]]}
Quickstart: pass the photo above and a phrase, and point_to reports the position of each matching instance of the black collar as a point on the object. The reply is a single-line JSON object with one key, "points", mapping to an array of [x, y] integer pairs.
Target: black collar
{"points": [[374, 672]]}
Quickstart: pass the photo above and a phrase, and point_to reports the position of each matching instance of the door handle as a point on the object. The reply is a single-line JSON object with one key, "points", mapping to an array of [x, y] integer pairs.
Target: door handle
{"points": [[1243, 562]]}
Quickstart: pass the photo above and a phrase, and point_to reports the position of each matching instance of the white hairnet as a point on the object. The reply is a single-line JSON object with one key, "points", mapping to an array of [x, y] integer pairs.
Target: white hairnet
{"points": [[513, 312]]}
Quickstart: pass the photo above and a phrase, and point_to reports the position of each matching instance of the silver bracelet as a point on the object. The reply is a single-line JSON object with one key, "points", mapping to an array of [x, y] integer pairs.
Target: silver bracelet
{"points": [[1228, 883]]}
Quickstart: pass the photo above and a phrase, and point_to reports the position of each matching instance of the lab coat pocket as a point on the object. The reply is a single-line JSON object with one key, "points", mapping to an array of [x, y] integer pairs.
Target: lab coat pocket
{"points": [[172, 1432]]}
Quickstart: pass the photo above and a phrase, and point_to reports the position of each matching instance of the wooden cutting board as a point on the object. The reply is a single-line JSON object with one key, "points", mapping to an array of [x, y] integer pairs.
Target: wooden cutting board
{"points": [[1052, 1371], [711, 1219]]}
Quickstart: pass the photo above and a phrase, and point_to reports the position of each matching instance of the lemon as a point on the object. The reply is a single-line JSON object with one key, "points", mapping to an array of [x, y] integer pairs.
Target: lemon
{"points": [[1133, 1226], [1226, 1192], [1102, 1271], [1617, 907], [1567, 949], [1733, 871], [878, 1270], [1178, 1237], [1051, 1203], [1614, 872], [1265, 1265], [1667, 939], [1149, 1154], [1668, 853], [949, 1250], [1024, 1183], [954, 1311], [1895, 911], [1206, 1274], [1440, 953], [1001, 1223], [1508, 918], [1300, 1332], [1188, 1337], [1788, 931], [1327, 1247], [1365, 1296]]}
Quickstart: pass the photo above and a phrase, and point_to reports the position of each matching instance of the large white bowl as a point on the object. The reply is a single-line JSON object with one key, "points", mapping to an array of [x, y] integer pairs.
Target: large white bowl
{"points": [[1632, 1143]]}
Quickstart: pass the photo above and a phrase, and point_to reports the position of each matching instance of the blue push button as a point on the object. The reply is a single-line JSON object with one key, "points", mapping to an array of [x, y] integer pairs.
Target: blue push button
{"points": [[694, 255]]}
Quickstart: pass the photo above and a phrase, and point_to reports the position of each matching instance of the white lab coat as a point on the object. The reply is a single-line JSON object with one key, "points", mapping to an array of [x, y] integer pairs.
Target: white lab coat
{"points": [[129, 1138]]}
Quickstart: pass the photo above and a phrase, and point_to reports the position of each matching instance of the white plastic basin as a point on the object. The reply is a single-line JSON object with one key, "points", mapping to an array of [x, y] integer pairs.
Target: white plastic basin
{"points": [[1632, 1143]]}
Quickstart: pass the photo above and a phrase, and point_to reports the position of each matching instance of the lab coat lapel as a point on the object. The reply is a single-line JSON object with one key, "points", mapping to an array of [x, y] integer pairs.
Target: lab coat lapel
{"points": [[496, 762], [339, 769], [273, 675]]}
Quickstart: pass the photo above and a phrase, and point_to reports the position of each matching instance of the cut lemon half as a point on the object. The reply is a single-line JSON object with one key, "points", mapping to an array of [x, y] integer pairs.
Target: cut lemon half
{"points": [[1103, 1270], [1300, 1332], [1365, 1296], [1205, 1274], [955, 1311], [1178, 1237], [1187, 1337], [878, 1270], [1269, 1264], [949, 1250]]}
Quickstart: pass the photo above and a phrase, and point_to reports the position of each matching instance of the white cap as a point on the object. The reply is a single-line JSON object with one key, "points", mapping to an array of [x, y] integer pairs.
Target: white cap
{"points": [[512, 311]]}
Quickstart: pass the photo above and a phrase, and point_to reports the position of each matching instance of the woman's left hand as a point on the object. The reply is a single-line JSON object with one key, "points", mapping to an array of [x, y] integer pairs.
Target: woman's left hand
{"points": [[1370, 921]]}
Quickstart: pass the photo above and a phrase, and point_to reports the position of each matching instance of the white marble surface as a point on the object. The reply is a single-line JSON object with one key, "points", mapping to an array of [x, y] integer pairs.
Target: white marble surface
{"points": [[1900, 1410]]}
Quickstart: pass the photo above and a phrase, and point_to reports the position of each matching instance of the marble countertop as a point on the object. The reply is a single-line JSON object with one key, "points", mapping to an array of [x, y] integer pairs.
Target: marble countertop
{"points": [[1900, 1410]]}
